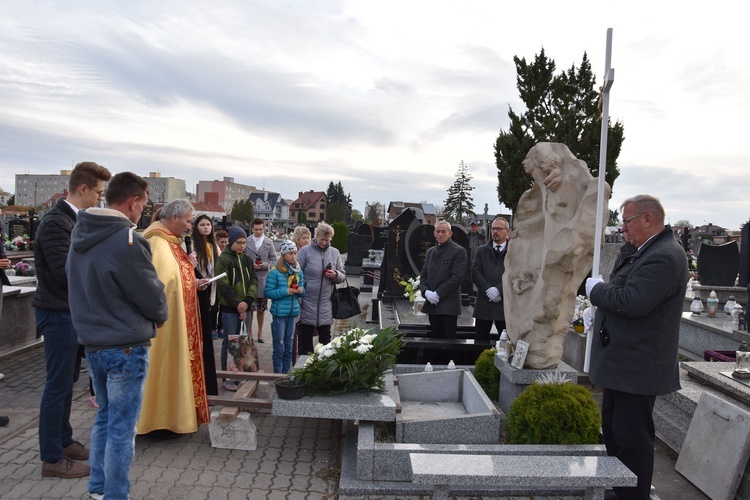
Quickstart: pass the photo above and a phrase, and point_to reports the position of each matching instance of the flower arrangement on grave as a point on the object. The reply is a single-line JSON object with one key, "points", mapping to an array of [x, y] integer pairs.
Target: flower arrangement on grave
{"points": [[354, 361], [411, 287], [19, 243], [23, 269], [582, 303], [552, 410]]}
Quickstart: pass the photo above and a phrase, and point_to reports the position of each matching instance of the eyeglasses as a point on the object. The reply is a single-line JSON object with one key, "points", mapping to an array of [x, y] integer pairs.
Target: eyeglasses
{"points": [[499, 228], [625, 222]]}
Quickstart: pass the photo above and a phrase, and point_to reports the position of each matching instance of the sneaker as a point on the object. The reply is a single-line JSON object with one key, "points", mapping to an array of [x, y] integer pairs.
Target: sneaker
{"points": [[65, 468], [230, 385], [93, 496], [92, 402], [76, 451], [214, 335]]}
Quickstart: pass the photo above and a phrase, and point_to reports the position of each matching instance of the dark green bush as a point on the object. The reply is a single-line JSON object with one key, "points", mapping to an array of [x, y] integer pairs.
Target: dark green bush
{"points": [[554, 414], [340, 240], [487, 374]]}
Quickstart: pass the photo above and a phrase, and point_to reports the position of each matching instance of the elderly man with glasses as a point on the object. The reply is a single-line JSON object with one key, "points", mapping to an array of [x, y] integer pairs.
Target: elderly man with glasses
{"points": [[636, 334]]}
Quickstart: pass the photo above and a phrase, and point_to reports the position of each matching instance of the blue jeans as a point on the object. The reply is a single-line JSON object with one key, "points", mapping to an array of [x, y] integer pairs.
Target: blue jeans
{"points": [[282, 331], [231, 324], [119, 376], [63, 366]]}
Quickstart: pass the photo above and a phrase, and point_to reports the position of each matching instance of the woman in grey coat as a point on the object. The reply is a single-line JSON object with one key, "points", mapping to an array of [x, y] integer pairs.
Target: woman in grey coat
{"points": [[322, 267]]}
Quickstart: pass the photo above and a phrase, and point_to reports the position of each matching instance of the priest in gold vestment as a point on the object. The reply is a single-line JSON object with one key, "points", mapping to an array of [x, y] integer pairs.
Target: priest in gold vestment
{"points": [[174, 399]]}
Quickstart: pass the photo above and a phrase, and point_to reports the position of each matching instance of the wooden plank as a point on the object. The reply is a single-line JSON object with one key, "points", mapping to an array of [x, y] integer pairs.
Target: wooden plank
{"points": [[245, 391], [262, 376], [255, 403]]}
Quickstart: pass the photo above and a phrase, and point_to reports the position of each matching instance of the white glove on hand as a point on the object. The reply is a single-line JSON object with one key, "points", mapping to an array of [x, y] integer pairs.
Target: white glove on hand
{"points": [[591, 283], [492, 293], [431, 296]]}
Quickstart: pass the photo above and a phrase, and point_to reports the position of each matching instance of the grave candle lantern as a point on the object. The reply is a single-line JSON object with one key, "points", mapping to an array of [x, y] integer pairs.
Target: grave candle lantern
{"points": [[712, 304], [697, 305], [742, 365]]}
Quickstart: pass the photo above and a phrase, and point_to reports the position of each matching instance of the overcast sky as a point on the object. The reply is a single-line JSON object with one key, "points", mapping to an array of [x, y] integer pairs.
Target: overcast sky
{"points": [[386, 96]]}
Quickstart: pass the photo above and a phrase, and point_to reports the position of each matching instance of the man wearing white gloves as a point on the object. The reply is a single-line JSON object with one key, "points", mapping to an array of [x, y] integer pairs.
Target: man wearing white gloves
{"points": [[635, 337], [487, 274], [442, 274]]}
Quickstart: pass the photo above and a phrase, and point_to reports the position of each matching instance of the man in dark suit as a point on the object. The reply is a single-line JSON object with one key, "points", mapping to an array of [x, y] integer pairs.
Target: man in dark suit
{"points": [[442, 274], [636, 334], [487, 274]]}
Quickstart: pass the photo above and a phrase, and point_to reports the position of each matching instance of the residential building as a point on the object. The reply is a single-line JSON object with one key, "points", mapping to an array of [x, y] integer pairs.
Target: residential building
{"points": [[37, 189], [270, 206], [428, 209], [164, 189], [311, 203], [223, 193]]}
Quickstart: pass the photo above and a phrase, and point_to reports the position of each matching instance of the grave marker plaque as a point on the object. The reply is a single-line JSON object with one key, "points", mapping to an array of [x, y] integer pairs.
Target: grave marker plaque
{"points": [[718, 264], [17, 227], [395, 258]]}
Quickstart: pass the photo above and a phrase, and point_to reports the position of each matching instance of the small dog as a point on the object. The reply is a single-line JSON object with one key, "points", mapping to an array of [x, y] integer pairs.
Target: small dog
{"points": [[243, 354]]}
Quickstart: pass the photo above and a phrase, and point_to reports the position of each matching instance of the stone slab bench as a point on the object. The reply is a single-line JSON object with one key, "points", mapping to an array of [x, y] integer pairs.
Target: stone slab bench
{"points": [[521, 474]]}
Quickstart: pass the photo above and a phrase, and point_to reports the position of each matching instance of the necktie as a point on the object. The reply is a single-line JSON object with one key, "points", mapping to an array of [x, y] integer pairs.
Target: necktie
{"points": [[497, 250]]}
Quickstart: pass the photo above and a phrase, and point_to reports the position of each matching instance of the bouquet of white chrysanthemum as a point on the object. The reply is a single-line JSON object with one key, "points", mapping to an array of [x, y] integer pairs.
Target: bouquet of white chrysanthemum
{"points": [[355, 361], [411, 287], [582, 302]]}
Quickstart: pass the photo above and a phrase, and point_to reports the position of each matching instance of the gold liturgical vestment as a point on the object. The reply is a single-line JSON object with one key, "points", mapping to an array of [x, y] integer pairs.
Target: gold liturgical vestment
{"points": [[175, 392]]}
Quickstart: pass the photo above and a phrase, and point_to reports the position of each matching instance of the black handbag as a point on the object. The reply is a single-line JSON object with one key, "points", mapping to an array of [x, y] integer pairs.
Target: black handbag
{"points": [[344, 302]]}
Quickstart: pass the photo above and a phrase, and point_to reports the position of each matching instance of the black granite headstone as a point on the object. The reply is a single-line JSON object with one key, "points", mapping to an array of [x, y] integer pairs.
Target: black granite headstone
{"points": [[745, 255], [380, 235], [364, 229], [17, 227], [358, 249], [395, 258], [418, 240], [460, 237], [718, 264]]}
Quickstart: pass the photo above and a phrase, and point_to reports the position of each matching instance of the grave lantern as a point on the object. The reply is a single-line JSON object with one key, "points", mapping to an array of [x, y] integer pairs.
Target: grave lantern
{"points": [[712, 304], [742, 367], [729, 305], [697, 305]]}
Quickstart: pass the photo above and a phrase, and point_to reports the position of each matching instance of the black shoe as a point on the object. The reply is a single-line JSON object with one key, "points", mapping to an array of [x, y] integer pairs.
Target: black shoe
{"points": [[4, 420], [261, 341], [161, 434], [610, 495]]}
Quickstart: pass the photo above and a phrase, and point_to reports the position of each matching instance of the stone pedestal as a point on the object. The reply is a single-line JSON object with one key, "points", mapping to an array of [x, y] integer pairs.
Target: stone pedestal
{"points": [[513, 381], [17, 325], [238, 433]]}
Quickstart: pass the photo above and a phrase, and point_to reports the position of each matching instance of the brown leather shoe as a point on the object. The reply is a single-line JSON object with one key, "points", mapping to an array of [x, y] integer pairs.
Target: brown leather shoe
{"points": [[65, 468], [76, 451]]}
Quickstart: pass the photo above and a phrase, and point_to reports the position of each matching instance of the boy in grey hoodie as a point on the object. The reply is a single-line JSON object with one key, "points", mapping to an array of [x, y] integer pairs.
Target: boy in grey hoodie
{"points": [[116, 303]]}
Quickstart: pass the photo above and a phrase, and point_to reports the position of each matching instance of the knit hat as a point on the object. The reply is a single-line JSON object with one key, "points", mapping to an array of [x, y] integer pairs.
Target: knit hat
{"points": [[287, 246], [236, 233]]}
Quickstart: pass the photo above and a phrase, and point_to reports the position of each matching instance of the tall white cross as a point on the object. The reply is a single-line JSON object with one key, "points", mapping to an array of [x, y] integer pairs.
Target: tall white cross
{"points": [[609, 78]]}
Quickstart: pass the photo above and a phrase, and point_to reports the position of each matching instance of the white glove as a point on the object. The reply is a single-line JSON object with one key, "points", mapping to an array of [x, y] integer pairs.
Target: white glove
{"points": [[591, 283], [431, 296], [588, 319], [498, 299], [492, 293]]}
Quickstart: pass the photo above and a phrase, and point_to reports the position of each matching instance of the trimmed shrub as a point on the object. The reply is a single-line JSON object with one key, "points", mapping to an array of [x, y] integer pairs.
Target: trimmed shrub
{"points": [[487, 374], [340, 240], [554, 414]]}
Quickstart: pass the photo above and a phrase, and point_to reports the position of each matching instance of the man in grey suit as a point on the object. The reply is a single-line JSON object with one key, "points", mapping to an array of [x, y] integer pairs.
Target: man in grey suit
{"points": [[636, 333], [442, 274], [262, 253], [487, 273]]}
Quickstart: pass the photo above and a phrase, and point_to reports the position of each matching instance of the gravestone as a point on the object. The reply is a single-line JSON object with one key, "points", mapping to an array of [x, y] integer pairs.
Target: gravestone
{"points": [[461, 238], [716, 448], [396, 259], [418, 240], [17, 227], [357, 250], [745, 255], [718, 264], [364, 229], [380, 237]]}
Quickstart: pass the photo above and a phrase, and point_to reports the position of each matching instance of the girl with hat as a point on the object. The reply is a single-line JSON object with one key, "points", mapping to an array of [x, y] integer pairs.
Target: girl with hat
{"points": [[284, 286]]}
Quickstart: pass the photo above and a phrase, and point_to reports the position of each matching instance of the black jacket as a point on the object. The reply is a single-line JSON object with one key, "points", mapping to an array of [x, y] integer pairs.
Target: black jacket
{"points": [[51, 246], [487, 271]]}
